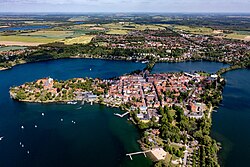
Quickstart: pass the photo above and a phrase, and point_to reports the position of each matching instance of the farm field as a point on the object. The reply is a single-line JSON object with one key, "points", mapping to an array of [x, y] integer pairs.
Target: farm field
{"points": [[195, 30], [122, 32], [131, 26], [8, 48], [79, 40], [50, 34], [25, 40], [238, 36]]}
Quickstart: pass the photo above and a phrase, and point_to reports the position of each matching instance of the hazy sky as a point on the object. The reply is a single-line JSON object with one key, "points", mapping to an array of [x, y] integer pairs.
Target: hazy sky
{"points": [[125, 6]]}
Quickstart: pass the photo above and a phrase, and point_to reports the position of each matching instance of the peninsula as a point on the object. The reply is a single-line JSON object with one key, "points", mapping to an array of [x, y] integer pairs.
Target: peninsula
{"points": [[173, 110]]}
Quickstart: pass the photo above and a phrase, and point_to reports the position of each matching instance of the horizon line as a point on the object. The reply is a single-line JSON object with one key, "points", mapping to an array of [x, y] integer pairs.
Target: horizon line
{"points": [[37, 12]]}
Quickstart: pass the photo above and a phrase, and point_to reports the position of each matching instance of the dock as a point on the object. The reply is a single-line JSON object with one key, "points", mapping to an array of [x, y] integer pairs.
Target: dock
{"points": [[121, 115], [136, 153]]}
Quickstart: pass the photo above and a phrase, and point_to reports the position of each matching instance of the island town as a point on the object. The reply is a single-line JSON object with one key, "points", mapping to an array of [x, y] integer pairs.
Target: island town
{"points": [[173, 110]]}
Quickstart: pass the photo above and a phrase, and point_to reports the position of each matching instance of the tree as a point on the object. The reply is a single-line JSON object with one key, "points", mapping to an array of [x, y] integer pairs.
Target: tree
{"points": [[160, 164], [21, 95]]}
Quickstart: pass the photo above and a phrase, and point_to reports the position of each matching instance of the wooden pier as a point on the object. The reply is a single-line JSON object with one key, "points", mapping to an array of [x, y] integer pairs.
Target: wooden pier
{"points": [[136, 153], [121, 115]]}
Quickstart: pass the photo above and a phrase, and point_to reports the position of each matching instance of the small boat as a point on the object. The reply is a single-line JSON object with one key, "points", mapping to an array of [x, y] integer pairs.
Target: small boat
{"points": [[71, 102], [42, 114], [144, 62], [90, 69], [61, 119], [28, 152], [22, 127], [22, 145], [35, 126], [1, 138]]}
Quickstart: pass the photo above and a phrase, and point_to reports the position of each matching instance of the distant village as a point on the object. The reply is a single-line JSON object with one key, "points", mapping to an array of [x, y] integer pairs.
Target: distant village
{"points": [[162, 45], [170, 46]]}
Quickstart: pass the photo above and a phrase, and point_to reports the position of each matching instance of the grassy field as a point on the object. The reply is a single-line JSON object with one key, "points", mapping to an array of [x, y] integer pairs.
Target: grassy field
{"points": [[50, 34], [80, 40], [130, 26], [121, 32], [237, 36], [244, 35], [195, 30], [8, 48], [83, 26], [16, 40]]}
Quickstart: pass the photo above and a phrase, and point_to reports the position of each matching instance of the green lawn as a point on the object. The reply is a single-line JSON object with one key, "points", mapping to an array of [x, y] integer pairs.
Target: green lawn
{"points": [[50, 34], [80, 40], [29, 39], [8, 48]]}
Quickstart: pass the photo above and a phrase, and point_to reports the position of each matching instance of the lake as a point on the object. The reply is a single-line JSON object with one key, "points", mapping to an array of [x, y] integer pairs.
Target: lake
{"points": [[98, 138], [231, 122], [189, 66]]}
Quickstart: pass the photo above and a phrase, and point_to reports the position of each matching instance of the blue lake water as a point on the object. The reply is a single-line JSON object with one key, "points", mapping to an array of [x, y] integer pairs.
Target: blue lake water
{"points": [[99, 138], [189, 66], [231, 122], [33, 27]]}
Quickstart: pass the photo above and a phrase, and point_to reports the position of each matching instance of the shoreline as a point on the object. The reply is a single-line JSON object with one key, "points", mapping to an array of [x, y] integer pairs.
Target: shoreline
{"points": [[137, 61]]}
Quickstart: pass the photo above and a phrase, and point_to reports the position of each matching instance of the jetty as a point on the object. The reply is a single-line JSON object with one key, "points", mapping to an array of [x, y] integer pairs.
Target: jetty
{"points": [[121, 115], [139, 152]]}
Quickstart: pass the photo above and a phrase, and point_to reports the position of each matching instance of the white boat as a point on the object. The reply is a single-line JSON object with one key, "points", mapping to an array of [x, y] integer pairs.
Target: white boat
{"points": [[144, 62], [1, 138], [71, 102], [22, 127], [42, 114]]}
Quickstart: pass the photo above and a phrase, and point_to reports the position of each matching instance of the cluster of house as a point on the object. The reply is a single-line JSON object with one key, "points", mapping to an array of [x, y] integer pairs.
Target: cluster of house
{"points": [[147, 92], [194, 46], [158, 39], [7, 55], [232, 50], [144, 92]]}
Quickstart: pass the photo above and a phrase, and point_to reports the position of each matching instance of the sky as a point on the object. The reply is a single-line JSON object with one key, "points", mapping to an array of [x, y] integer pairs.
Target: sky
{"points": [[166, 6]]}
